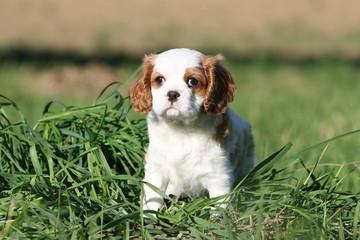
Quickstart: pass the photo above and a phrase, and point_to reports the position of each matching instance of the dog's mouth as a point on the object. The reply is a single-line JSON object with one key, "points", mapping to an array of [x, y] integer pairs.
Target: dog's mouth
{"points": [[175, 115], [172, 112]]}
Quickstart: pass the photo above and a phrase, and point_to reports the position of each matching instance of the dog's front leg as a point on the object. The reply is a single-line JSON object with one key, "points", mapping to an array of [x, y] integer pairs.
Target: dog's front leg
{"points": [[220, 188], [152, 200]]}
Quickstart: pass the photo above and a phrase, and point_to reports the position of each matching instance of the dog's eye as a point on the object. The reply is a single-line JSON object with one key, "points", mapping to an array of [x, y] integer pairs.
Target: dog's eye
{"points": [[192, 82], [159, 81]]}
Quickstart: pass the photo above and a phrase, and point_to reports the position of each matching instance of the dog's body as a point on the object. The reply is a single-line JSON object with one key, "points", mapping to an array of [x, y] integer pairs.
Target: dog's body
{"points": [[197, 144]]}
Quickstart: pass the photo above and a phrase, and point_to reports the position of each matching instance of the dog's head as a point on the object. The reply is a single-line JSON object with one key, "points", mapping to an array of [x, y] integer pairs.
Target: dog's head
{"points": [[180, 83]]}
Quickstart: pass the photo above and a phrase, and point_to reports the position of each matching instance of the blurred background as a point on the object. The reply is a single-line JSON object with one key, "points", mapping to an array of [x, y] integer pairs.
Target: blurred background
{"points": [[296, 63]]}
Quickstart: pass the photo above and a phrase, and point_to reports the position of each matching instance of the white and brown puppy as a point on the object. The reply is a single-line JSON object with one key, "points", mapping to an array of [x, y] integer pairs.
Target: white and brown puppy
{"points": [[197, 143]]}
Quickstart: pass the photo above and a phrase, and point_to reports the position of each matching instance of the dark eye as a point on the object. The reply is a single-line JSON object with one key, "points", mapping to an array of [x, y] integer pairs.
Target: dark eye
{"points": [[192, 82], [159, 81]]}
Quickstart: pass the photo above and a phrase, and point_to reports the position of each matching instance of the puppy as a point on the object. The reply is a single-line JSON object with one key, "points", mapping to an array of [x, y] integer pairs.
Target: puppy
{"points": [[198, 145]]}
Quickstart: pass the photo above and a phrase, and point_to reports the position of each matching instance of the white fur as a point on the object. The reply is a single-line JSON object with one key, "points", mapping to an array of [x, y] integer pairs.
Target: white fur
{"points": [[182, 155]]}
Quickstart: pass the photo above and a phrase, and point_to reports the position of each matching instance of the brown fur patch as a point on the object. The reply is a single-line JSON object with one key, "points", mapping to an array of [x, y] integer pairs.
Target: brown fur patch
{"points": [[198, 74], [153, 77], [222, 131], [141, 90], [221, 87]]}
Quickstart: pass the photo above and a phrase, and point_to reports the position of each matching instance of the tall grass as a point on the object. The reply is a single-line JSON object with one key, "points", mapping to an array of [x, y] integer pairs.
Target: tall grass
{"points": [[77, 175]]}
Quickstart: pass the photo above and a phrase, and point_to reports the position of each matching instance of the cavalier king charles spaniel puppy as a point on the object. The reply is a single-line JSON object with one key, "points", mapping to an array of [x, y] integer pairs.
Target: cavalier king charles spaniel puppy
{"points": [[198, 146]]}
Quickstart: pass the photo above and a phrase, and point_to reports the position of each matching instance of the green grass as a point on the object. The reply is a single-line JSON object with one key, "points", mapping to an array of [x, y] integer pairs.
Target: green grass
{"points": [[76, 174]]}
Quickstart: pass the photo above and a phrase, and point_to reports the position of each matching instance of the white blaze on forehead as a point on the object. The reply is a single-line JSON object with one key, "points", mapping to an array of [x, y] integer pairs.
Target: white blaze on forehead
{"points": [[174, 62]]}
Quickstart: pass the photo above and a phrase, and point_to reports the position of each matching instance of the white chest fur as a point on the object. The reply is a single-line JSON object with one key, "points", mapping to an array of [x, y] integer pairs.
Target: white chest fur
{"points": [[186, 156]]}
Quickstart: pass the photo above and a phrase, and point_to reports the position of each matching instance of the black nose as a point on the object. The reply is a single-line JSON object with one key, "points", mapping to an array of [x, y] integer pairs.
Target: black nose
{"points": [[173, 96]]}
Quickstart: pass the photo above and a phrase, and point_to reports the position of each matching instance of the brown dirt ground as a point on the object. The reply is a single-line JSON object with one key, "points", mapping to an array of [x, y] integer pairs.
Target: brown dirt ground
{"points": [[303, 26], [75, 80]]}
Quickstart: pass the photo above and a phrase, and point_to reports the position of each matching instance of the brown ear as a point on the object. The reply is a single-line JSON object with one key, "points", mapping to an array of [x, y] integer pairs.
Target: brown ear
{"points": [[141, 90], [221, 87]]}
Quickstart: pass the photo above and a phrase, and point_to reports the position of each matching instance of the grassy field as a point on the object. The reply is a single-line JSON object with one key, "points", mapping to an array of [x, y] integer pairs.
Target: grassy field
{"points": [[75, 172], [71, 163]]}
